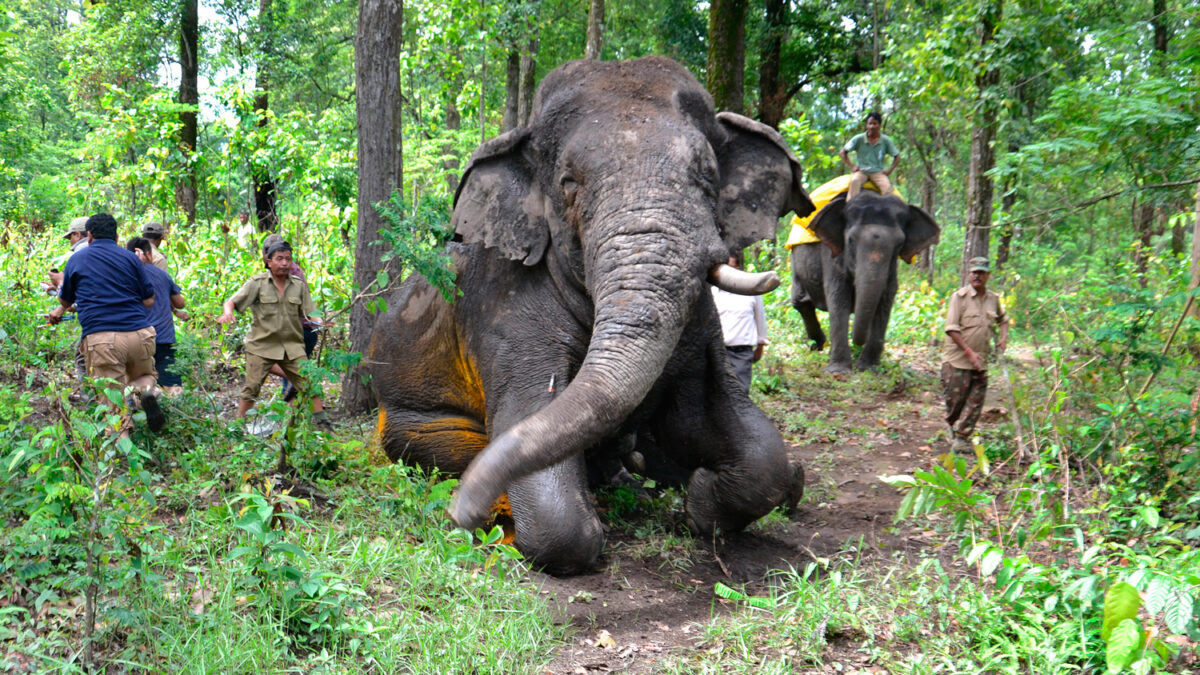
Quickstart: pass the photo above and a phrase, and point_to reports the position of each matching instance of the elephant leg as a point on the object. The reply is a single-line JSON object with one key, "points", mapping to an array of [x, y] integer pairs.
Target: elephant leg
{"points": [[839, 326], [556, 525], [444, 440], [839, 295], [807, 293], [741, 469], [812, 326]]}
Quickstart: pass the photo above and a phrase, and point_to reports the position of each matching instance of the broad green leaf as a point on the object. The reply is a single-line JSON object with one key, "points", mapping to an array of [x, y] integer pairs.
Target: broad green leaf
{"points": [[1158, 593], [1150, 515], [1121, 602], [1123, 644], [1178, 612], [991, 561]]}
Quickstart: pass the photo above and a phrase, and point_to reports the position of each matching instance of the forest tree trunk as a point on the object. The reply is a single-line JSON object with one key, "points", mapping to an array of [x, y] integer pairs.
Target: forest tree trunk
{"points": [[264, 183], [595, 30], [772, 95], [1195, 310], [377, 46], [189, 94], [450, 160], [983, 156], [512, 89], [528, 80], [727, 53]]}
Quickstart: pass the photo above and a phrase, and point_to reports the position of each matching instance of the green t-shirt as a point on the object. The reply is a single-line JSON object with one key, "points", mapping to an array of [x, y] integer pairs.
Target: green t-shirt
{"points": [[870, 157]]}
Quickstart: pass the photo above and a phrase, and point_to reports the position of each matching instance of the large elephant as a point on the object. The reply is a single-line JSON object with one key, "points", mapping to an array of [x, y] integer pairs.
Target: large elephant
{"points": [[855, 271], [584, 325]]}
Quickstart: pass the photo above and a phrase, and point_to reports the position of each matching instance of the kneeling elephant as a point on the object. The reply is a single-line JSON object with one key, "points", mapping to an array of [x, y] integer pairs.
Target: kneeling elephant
{"points": [[584, 327]]}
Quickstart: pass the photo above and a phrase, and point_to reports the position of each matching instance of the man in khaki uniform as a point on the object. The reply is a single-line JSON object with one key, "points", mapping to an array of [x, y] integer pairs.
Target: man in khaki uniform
{"points": [[970, 318], [279, 301]]}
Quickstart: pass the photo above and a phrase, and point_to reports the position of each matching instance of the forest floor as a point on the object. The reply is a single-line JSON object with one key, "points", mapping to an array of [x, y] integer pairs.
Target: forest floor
{"points": [[651, 602], [649, 606]]}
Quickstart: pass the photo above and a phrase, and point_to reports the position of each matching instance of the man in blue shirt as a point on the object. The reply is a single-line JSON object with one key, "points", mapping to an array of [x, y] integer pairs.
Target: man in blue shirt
{"points": [[111, 292], [168, 299]]}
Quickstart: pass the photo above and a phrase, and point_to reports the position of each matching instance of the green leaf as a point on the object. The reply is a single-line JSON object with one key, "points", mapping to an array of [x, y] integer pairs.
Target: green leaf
{"points": [[1150, 515], [1123, 644], [1121, 602], [728, 593], [1158, 594], [991, 560], [1178, 612]]}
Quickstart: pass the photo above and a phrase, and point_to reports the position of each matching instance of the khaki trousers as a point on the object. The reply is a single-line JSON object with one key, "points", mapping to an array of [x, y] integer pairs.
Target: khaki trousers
{"points": [[859, 178]]}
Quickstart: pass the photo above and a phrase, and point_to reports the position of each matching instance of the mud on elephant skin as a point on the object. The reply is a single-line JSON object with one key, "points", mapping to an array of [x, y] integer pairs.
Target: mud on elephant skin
{"points": [[854, 272], [584, 242]]}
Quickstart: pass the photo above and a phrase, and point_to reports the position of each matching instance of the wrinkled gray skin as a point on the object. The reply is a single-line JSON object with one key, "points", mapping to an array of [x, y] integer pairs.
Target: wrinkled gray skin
{"points": [[585, 326], [855, 271]]}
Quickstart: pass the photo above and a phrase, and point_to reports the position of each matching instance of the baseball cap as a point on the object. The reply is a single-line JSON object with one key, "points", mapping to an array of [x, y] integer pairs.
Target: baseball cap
{"points": [[155, 228], [77, 225], [979, 264]]}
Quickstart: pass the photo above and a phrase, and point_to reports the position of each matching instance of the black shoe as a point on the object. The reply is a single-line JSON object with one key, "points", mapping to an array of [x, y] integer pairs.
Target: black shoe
{"points": [[289, 392], [155, 418], [322, 421]]}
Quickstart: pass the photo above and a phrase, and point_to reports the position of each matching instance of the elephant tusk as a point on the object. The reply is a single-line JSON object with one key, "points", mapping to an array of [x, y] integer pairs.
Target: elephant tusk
{"points": [[733, 280]]}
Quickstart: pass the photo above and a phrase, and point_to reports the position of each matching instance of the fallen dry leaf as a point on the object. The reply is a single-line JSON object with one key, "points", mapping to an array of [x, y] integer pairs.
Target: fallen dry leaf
{"points": [[604, 640]]}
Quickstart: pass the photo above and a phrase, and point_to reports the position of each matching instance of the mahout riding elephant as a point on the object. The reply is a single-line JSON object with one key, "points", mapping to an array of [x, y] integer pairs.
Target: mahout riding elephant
{"points": [[854, 272], [583, 245]]}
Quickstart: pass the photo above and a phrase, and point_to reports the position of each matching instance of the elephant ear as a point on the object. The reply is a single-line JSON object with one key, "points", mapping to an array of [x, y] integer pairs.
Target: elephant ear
{"points": [[760, 181], [499, 203], [830, 224], [920, 233]]}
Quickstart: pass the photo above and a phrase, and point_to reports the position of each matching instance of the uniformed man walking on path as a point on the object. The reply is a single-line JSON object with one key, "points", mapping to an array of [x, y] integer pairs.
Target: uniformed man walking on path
{"points": [[973, 313]]}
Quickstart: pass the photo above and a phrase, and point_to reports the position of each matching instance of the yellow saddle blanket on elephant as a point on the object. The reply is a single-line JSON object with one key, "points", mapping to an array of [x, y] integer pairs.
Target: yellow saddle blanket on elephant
{"points": [[800, 233]]}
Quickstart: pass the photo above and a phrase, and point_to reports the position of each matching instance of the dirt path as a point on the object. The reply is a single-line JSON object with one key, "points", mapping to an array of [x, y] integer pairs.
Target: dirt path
{"points": [[652, 599]]}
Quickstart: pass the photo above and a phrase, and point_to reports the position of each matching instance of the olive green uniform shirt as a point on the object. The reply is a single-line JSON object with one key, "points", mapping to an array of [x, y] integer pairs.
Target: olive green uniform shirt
{"points": [[276, 332], [975, 316]]}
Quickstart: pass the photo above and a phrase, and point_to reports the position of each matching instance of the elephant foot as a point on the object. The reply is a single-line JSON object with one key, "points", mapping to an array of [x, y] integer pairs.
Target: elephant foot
{"points": [[817, 345], [795, 489], [837, 368], [701, 503], [873, 367]]}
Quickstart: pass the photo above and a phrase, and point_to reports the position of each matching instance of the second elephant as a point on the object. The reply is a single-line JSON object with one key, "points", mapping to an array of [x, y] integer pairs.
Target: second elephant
{"points": [[854, 271]]}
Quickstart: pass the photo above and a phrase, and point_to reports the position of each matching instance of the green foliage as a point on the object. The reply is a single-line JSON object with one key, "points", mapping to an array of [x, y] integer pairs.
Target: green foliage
{"points": [[417, 237]]}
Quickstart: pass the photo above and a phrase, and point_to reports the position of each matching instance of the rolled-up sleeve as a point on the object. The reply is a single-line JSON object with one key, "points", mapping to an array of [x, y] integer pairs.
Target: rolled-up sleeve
{"points": [[954, 314]]}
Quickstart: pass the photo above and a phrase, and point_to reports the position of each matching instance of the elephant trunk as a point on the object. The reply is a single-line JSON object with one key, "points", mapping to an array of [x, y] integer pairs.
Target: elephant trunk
{"points": [[643, 293], [869, 285]]}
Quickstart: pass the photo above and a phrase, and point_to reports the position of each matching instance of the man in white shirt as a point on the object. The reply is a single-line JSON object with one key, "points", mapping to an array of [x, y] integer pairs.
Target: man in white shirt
{"points": [[744, 326]]}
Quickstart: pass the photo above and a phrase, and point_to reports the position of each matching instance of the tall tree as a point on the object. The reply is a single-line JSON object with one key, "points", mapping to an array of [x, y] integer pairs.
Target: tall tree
{"points": [[983, 157], [727, 53], [595, 30], [512, 88], [264, 183], [528, 79], [189, 95], [377, 46], [1195, 283]]}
